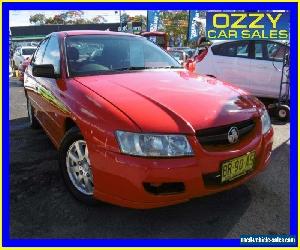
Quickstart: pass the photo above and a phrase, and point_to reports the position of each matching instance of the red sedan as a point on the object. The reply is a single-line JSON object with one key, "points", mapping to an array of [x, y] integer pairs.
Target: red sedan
{"points": [[134, 128]]}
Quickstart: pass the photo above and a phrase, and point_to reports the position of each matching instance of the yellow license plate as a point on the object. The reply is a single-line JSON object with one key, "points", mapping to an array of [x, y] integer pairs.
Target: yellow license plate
{"points": [[237, 167]]}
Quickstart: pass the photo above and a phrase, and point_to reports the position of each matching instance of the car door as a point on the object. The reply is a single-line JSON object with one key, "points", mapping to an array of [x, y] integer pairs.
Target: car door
{"points": [[266, 68], [32, 83], [53, 108], [231, 62]]}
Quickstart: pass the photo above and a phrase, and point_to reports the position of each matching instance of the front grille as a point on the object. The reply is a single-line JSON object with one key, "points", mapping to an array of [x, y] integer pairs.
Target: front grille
{"points": [[219, 135]]}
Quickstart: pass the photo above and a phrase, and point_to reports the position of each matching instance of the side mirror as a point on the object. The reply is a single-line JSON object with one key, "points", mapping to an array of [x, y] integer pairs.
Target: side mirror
{"points": [[189, 65], [43, 70]]}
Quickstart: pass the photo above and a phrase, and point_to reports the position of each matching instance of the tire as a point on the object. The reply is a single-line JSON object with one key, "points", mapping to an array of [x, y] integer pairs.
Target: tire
{"points": [[283, 113], [33, 122], [70, 169]]}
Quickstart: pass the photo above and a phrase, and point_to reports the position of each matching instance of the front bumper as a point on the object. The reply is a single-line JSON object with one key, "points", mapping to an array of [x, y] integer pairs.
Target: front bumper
{"points": [[120, 179]]}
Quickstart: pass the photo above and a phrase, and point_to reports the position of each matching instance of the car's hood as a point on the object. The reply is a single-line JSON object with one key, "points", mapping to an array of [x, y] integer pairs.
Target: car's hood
{"points": [[172, 101]]}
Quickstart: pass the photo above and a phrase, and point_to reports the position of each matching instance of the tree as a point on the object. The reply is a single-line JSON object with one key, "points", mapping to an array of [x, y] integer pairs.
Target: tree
{"points": [[38, 19], [175, 24], [98, 19], [140, 18], [73, 17], [69, 17], [125, 18], [76, 17], [80, 21], [57, 19]]}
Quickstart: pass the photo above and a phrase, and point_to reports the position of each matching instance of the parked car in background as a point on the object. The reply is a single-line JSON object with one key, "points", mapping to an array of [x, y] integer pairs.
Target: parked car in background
{"points": [[189, 51], [254, 66], [134, 128], [158, 37], [179, 55], [22, 68], [21, 54]]}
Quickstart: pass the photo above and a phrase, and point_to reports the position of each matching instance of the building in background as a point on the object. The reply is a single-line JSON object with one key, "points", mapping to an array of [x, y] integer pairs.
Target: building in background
{"points": [[28, 35]]}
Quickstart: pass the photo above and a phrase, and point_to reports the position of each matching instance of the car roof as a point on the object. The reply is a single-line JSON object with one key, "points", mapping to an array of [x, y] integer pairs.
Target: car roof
{"points": [[216, 42], [92, 32]]}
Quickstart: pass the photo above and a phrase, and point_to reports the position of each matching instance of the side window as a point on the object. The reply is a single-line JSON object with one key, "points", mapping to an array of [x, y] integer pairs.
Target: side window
{"points": [[52, 54], [259, 50], [232, 49], [242, 49], [276, 51], [38, 56]]}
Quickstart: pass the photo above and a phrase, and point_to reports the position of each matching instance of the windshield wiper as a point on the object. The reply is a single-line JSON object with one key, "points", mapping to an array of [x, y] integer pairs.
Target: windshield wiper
{"points": [[142, 68], [172, 67], [131, 68]]}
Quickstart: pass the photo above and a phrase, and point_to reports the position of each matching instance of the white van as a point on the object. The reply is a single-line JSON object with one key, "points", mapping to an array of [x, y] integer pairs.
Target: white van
{"points": [[21, 54]]}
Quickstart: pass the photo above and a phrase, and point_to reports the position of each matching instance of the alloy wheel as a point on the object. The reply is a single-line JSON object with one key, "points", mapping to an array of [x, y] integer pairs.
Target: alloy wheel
{"points": [[78, 167]]}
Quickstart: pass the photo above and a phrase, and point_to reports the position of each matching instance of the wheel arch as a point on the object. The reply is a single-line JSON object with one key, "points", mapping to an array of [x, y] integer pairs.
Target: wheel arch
{"points": [[69, 123]]}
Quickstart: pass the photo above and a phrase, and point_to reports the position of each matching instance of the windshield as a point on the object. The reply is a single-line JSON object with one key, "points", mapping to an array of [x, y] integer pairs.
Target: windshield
{"points": [[27, 51], [97, 54]]}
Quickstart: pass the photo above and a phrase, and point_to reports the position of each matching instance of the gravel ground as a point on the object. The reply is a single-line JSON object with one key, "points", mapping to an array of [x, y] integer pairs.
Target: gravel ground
{"points": [[41, 207]]}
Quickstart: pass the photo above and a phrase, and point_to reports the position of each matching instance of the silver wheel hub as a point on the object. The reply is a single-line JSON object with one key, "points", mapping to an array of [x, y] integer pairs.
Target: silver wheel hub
{"points": [[79, 168]]}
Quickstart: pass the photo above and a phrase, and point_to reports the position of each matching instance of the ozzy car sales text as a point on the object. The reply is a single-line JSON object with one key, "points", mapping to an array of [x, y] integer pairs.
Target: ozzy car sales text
{"points": [[232, 26]]}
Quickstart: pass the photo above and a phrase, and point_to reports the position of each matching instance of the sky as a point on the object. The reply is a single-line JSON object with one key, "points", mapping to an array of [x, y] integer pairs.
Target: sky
{"points": [[21, 17]]}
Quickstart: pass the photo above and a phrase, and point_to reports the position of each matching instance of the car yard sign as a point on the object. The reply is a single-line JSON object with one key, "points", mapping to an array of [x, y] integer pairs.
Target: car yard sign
{"points": [[243, 25]]}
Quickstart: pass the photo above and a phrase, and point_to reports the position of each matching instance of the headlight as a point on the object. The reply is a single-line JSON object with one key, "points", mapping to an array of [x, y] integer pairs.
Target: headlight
{"points": [[265, 121], [153, 144]]}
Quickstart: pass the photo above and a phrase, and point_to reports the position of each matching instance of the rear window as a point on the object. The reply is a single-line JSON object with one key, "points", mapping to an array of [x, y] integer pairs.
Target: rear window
{"points": [[232, 49], [276, 51]]}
